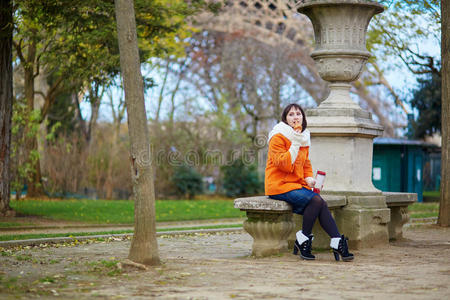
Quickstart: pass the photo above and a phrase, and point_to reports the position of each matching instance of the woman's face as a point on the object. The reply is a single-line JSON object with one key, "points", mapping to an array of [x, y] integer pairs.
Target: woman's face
{"points": [[294, 117]]}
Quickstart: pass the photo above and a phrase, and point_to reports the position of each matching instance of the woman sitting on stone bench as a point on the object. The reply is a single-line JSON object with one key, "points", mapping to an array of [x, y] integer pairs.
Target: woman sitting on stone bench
{"points": [[289, 177]]}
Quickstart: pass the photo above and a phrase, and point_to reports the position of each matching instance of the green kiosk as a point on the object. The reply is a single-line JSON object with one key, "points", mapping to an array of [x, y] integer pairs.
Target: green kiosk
{"points": [[398, 165]]}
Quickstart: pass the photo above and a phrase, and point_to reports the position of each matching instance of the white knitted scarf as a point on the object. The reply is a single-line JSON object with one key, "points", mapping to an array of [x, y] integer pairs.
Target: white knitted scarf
{"points": [[288, 132]]}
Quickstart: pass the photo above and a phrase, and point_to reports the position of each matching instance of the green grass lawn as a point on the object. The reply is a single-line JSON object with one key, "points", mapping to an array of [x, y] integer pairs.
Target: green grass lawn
{"points": [[424, 210], [421, 206], [13, 237], [122, 211], [431, 196], [14, 224]]}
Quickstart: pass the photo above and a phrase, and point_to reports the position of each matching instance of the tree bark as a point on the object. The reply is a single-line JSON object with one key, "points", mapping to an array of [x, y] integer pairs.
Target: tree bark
{"points": [[375, 105], [117, 120], [444, 207], [95, 98], [144, 246], [6, 101], [34, 182], [35, 188]]}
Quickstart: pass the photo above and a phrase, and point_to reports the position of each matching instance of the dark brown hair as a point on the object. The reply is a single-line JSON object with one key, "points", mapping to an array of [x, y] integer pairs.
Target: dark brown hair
{"points": [[286, 111]]}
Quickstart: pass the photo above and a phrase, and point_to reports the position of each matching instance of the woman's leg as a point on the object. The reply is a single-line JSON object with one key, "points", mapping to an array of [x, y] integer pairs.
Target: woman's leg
{"points": [[327, 221], [318, 208], [312, 211]]}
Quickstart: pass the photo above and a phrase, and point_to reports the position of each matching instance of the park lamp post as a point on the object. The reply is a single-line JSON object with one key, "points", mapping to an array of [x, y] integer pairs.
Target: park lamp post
{"points": [[341, 131]]}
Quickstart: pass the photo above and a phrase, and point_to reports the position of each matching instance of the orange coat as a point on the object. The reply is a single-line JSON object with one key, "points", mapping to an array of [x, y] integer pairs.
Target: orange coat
{"points": [[281, 175]]}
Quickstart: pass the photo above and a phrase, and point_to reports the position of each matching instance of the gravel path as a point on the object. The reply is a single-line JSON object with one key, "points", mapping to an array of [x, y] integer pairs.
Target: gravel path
{"points": [[45, 226], [219, 266]]}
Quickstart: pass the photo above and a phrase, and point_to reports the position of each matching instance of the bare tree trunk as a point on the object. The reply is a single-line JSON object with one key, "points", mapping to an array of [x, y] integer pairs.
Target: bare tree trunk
{"points": [[95, 99], [374, 104], [78, 117], [144, 246], [161, 92], [117, 120], [34, 182], [109, 181], [6, 101], [444, 207], [35, 188], [109, 185]]}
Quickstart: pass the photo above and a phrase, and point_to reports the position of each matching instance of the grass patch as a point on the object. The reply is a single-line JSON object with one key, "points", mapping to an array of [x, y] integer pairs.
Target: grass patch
{"points": [[424, 207], [423, 210], [432, 194], [23, 257], [47, 279], [122, 211], [104, 267], [9, 283], [73, 234], [14, 224], [421, 215]]}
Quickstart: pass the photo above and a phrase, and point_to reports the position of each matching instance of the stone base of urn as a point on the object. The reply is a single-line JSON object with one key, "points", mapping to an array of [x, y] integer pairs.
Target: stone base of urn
{"points": [[365, 221], [342, 145], [364, 226]]}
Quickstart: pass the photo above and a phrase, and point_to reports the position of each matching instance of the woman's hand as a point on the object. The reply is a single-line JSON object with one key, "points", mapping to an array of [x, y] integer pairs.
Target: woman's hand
{"points": [[310, 181], [299, 138]]}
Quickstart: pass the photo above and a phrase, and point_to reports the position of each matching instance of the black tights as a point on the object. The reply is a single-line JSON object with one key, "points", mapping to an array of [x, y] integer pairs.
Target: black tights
{"points": [[317, 207]]}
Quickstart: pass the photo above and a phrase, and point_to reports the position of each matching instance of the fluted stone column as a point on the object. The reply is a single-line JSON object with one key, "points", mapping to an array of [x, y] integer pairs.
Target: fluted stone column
{"points": [[341, 131]]}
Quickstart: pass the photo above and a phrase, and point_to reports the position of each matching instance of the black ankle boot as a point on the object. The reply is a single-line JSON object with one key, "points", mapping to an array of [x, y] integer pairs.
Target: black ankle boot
{"points": [[342, 250], [305, 249]]}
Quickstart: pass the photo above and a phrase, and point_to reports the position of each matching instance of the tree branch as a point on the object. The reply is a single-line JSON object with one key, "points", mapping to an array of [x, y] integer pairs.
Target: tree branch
{"points": [[373, 103]]}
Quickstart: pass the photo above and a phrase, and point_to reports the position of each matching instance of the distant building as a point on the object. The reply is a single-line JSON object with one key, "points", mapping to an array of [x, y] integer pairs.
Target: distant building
{"points": [[401, 165]]}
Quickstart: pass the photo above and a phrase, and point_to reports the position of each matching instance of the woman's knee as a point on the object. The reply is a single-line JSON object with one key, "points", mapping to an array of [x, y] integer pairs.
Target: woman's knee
{"points": [[318, 201]]}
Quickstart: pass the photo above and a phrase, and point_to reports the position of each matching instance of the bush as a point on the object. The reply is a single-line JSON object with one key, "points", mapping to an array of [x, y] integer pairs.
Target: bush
{"points": [[240, 179], [72, 166], [187, 181]]}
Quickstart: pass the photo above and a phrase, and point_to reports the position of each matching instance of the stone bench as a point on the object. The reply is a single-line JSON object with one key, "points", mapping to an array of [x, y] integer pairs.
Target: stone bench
{"points": [[271, 222], [398, 204]]}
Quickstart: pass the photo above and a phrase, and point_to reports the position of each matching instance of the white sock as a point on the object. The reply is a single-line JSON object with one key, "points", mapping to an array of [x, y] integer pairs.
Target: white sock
{"points": [[335, 242], [301, 237]]}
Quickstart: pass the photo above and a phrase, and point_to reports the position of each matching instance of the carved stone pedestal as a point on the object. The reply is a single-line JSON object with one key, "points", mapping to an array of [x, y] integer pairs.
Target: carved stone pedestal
{"points": [[365, 221], [269, 222], [398, 204]]}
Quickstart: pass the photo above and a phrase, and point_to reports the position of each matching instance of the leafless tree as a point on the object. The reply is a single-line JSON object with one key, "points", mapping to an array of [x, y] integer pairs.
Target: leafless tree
{"points": [[444, 208], [144, 246], [6, 102]]}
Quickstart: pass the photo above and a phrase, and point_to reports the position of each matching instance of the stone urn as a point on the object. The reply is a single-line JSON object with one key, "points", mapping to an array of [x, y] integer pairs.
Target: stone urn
{"points": [[339, 123], [341, 131], [340, 28]]}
